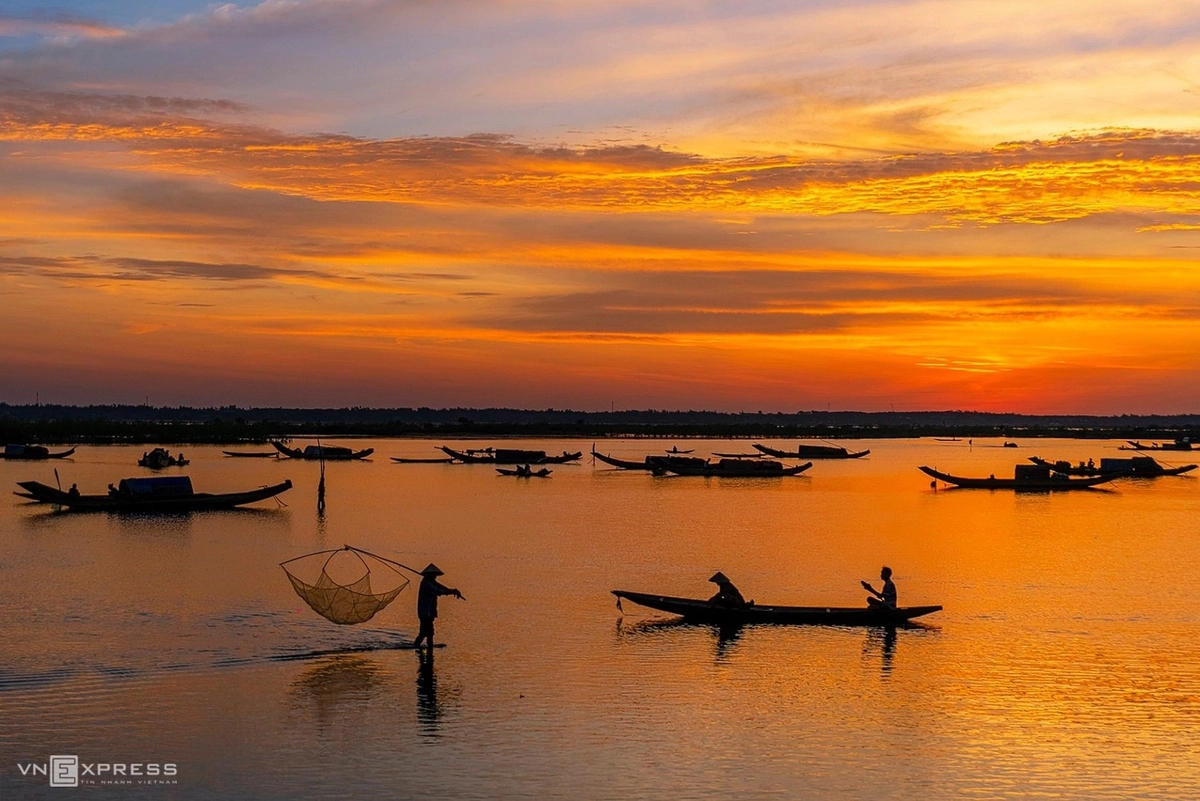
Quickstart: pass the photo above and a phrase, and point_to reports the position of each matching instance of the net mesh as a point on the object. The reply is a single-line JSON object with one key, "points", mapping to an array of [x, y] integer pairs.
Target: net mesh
{"points": [[345, 601]]}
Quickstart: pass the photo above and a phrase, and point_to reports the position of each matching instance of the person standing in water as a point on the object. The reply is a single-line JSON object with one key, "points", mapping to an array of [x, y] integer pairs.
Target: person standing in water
{"points": [[427, 603], [887, 595]]}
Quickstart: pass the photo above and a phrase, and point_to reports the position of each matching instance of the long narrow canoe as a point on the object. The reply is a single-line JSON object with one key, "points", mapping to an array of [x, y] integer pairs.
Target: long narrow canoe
{"points": [[521, 472], [150, 495], [811, 452], [410, 460], [1053, 483], [252, 454], [704, 612], [33, 452]]}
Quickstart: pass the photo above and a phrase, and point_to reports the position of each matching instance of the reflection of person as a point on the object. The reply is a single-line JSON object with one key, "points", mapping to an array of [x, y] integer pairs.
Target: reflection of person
{"points": [[427, 602], [887, 595], [727, 594]]}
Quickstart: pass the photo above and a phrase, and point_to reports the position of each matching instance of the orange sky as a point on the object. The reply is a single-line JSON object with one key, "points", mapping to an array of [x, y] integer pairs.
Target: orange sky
{"points": [[855, 206]]}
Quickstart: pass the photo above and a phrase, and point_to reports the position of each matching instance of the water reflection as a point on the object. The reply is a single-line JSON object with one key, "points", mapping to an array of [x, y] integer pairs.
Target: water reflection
{"points": [[725, 642], [429, 710], [343, 685], [883, 641]]}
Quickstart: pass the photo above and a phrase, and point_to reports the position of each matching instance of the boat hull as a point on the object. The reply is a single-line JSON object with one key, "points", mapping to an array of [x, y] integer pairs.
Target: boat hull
{"points": [[323, 453], [811, 452], [196, 502], [1053, 484], [740, 468], [703, 612], [30, 453]]}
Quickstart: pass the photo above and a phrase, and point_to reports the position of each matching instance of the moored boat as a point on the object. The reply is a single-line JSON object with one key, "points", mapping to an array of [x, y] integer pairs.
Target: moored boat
{"points": [[326, 452], [252, 454], [1180, 444], [652, 463], [153, 495], [33, 452], [509, 456], [1033, 478], [739, 468], [811, 452], [524, 471], [1133, 467], [704, 612]]}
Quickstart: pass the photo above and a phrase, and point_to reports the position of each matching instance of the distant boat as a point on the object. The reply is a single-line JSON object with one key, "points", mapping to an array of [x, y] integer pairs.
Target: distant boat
{"points": [[1134, 467], [946, 439], [674, 449], [1180, 444], [811, 452], [739, 468], [252, 454], [701, 611], [510, 456], [434, 460], [653, 463], [152, 495], [326, 452], [1026, 477], [1009, 445], [524, 471], [33, 452], [161, 458]]}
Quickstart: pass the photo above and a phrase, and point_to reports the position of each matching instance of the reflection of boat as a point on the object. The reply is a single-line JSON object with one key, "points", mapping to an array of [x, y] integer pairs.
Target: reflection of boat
{"points": [[33, 452], [1134, 467], [160, 494], [705, 612], [651, 463], [812, 452], [159, 458], [524, 471], [739, 468], [1180, 444], [1026, 477], [253, 454], [509, 456], [326, 452]]}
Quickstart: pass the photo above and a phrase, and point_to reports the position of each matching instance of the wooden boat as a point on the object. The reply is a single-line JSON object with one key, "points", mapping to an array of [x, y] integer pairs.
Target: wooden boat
{"points": [[160, 458], [1009, 445], [675, 451], [158, 494], [253, 454], [811, 452], [704, 612], [524, 471], [1134, 467], [33, 452], [326, 452], [652, 463], [1181, 444], [1034, 479], [510, 456], [739, 468], [435, 460]]}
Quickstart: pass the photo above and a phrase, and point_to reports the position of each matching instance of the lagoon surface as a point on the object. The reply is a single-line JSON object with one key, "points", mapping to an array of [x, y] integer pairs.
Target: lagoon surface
{"points": [[1066, 663]]}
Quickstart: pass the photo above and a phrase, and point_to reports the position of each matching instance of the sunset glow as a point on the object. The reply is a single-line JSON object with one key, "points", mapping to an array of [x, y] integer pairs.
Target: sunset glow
{"points": [[874, 205]]}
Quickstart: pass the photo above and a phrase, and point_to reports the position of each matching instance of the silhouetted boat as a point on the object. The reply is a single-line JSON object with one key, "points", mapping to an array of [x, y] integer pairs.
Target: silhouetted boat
{"points": [[160, 458], [434, 460], [158, 494], [1026, 477], [1133, 467], [1009, 445], [704, 612], [326, 452], [674, 450], [33, 452], [739, 468], [524, 471], [253, 454], [1180, 444], [811, 452], [510, 456], [653, 463]]}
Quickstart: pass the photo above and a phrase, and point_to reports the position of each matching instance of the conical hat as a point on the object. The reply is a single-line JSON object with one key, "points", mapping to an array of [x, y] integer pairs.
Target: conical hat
{"points": [[432, 570], [719, 578]]}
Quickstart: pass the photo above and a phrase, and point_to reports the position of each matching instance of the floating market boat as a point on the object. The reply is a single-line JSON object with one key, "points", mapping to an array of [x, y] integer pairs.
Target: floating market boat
{"points": [[153, 495], [811, 452], [1034, 478], [702, 611]]}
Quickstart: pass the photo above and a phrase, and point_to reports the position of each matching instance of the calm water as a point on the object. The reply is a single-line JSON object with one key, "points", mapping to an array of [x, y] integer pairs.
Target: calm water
{"points": [[1066, 663]]}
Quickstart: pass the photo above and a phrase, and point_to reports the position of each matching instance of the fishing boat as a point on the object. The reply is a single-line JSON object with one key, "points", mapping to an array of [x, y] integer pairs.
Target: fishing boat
{"points": [[702, 611], [1134, 467], [1034, 478], [33, 452], [326, 452], [161, 458], [811, 452], [154, 495], [652, 463], [739, 468], [509, 456], [252, 454], [1180, 444], [434, 460], [524, 471]]}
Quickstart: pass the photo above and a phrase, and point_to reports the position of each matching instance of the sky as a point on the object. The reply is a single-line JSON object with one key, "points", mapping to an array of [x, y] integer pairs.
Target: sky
{"points": [[762, 205]]}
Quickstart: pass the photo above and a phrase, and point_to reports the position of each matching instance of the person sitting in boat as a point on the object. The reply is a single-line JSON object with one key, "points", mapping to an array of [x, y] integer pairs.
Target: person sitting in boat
{"points": [[73, 491], [885, 597], [727, 594]]}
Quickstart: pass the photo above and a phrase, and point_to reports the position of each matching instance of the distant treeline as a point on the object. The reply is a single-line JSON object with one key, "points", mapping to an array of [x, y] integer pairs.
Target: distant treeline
{"points": [[230, 425]]}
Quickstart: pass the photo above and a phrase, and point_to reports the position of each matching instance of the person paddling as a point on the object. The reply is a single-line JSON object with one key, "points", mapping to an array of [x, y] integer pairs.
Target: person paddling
{"points": [[427, 602], [886, 596], [727, 594]]}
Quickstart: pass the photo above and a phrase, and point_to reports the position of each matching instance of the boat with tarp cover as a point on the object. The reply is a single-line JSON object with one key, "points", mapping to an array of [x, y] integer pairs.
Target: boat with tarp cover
{"points": [[653, 463], [325, 452], [811, 452], [703, 611], [155, 495], [1026, 477], [1134, 467], [33, 452], [509, 456], [739, 468]]}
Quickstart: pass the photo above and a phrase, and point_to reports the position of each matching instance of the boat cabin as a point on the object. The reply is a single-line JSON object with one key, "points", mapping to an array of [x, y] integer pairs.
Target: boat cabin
{"points": [[26, 452], [156, 487]]}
